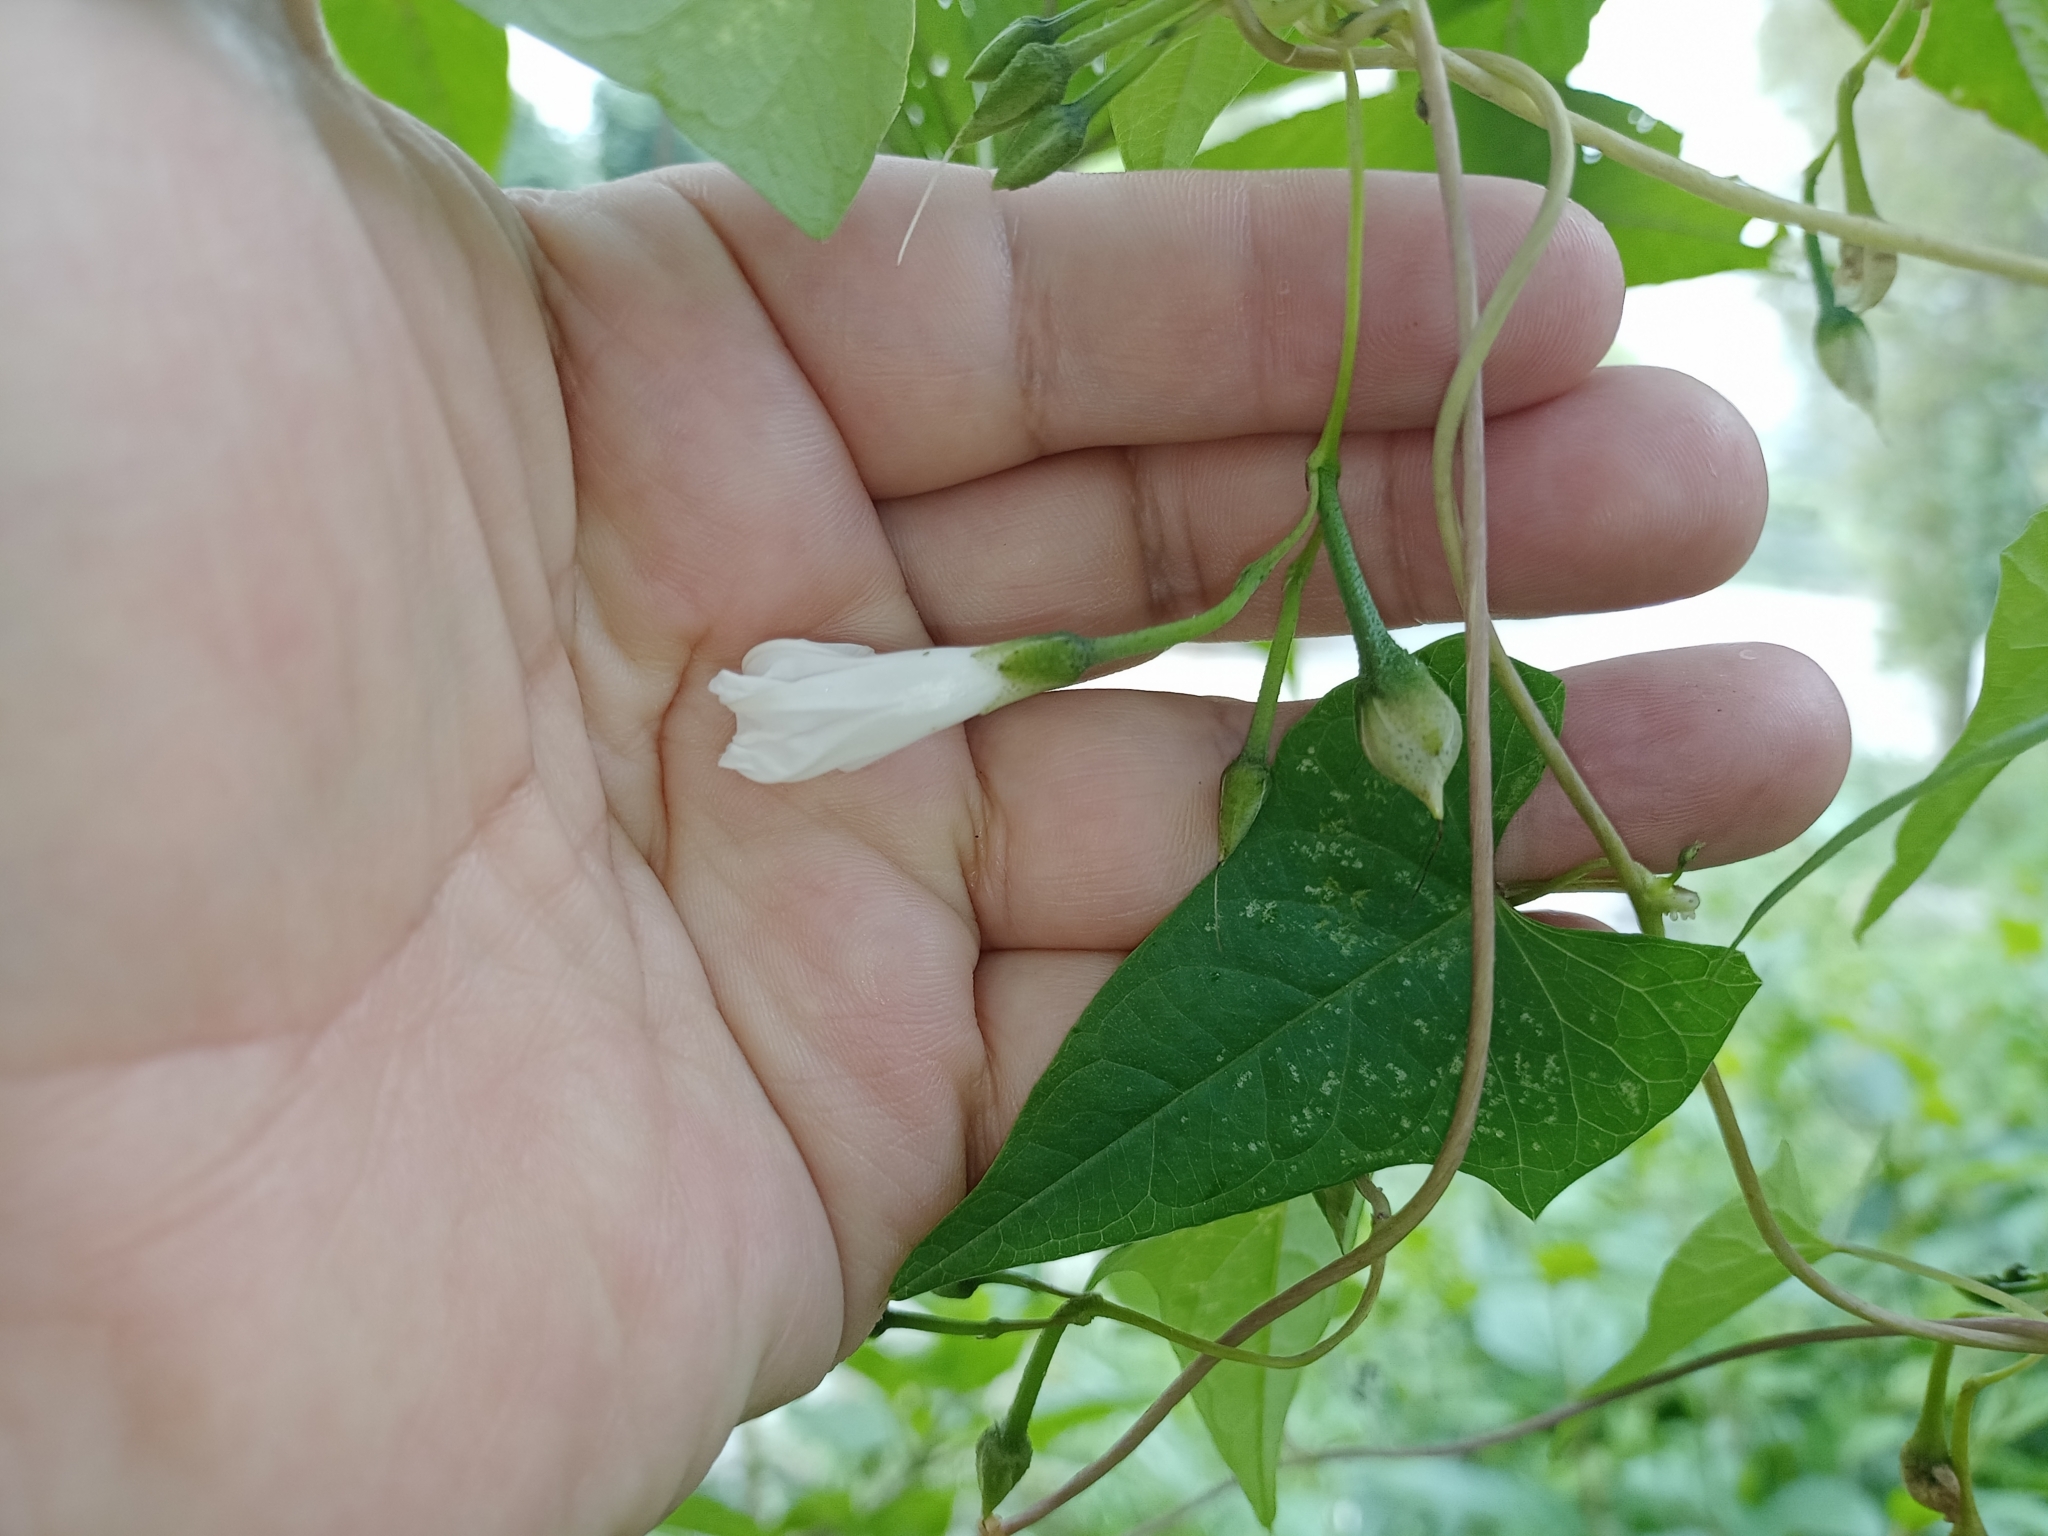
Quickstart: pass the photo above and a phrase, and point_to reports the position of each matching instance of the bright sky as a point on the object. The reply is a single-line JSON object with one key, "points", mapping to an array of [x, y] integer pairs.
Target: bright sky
{"points": [[554, 85]]}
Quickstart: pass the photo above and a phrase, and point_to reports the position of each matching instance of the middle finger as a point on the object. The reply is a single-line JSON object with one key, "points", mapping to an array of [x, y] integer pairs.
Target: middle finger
{"points": [[1639, 486]]}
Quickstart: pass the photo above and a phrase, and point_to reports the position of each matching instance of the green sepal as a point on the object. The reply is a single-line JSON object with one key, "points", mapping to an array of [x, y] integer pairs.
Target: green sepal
{"points": [[1003, 47], [1245, 783], [1000, 1462], [1036, 77], [1041, 662]]}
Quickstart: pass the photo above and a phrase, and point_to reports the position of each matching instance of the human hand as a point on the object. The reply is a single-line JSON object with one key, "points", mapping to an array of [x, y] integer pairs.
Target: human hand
{"points": [[433, 1095]]}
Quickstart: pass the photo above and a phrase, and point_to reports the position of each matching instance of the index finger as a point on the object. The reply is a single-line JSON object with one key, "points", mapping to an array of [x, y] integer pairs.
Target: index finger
{"points": [[1142, 308]]}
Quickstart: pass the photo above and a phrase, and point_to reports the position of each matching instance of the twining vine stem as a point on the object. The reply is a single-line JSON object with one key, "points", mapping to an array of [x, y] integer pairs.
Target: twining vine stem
{"points": [[1723, 191], [2025, 1335], [1535, 1424]]}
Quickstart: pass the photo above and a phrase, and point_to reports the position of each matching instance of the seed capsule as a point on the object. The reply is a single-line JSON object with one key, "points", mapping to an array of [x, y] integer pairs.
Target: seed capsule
{"points": [[1848, 355], [1863, 276], [1412, 734]]}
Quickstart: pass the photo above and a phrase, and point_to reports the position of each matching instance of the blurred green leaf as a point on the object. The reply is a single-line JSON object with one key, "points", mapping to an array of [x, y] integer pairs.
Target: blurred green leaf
{"points": [[1564, 1261], [1662, 233], [701, 1513], [1300, 1019], [918, 1511], [1161, 118], [439, 61], [1987, 55], [2015, 690], [1205, 1279], [1048, 1427], [793, 95], [1721, 1267], [950, 1363]]}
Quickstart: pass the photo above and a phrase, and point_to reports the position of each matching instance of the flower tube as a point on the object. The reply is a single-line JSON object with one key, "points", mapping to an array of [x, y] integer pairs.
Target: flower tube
{"points": [[806, 707]]}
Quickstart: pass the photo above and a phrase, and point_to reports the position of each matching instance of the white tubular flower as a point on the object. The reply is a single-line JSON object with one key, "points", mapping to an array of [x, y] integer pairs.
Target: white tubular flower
{"points": [[806, 707]]}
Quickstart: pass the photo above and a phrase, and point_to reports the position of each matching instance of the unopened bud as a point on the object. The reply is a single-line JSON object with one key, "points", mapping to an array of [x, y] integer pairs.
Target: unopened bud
{"points": [[1001, 1463], [1339, 1203], [1047, 143], [1002, 48], [1411, 733], [1035, 77], [1245, 783], [1863, 276], [1847, 355]]}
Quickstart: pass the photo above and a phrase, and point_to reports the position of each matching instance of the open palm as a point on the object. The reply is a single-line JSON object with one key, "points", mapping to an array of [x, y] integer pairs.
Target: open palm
{"points": [[434, 1097]]}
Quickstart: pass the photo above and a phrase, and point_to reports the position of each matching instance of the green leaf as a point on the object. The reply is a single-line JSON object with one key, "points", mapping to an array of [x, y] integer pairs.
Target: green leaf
{"points": [[2015, 690], [916, 1511], [938, 97], [1395, 139], [1998, 751], [793, 95], [1300, 1020], [440, 62], [949, 1363], [1549, 35], [1721, 1267], [1986, 55], [1662, 233], [700, 1513], [1205, 1279], [1161, 118]]}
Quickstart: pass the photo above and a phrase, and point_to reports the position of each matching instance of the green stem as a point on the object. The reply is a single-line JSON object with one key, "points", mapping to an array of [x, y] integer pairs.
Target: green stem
{"points": [[959, 1327], [1017, 1426], [1258, 741], [1158, 637], [1368, 630], [1928, 1444], [1816, 260], [1968, 1522], [1088, 45], [1083, 1308], [1974, 1287], [1855, 190]]}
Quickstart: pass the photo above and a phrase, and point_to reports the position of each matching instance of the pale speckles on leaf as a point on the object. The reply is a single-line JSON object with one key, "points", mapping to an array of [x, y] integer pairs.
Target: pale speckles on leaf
{"points": [[1335, 1021]]}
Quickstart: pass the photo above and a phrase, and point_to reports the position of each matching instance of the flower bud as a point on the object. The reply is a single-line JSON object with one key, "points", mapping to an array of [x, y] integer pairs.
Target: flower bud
{"points": [[1411, 733], [1245, 783], [1847, 355], [1003, 47], [1036, 77], [1046, 143], [1863, 276], [1001, 1463]]}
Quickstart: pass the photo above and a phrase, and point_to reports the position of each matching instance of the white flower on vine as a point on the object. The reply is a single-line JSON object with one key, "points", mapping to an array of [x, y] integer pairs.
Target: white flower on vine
{"points": [[806, 707]]}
